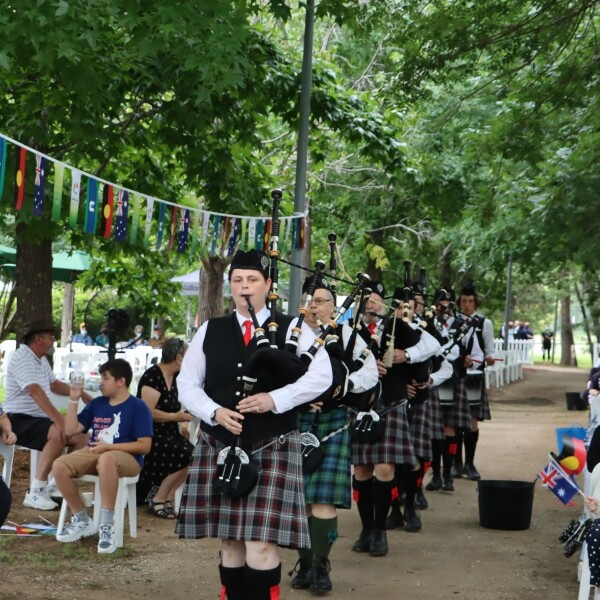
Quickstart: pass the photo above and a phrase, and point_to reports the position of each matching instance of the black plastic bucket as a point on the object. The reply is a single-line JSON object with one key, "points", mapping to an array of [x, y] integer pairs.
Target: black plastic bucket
{"points": [[505, 504], [575, 402]]}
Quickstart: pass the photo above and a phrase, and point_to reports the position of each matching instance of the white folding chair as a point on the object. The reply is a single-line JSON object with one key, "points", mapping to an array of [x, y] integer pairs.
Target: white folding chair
{"points": [[8, 453], [126, 498]]}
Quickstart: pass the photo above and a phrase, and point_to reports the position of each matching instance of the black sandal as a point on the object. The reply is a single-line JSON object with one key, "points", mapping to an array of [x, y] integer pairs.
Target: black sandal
{"points": [[169, 506], [161, 509]]}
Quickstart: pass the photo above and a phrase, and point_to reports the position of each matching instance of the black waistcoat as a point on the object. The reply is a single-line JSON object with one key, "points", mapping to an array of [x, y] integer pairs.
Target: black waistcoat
{"points": [[226, 356]]}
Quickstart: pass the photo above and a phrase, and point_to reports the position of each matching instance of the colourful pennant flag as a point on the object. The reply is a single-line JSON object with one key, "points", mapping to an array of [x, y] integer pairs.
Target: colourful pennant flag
{"points": [[182, 237], [135, 218], [215, 234], [244, 233], [3, 154], [148, 228], [302, 233], [294, 234], [59, 171], [235, 229], [39, 185], [286, 232], [75, 191], [108, 202], [173, 228], [267, 236], [251, 233], [205, 224], [162, 208], [195, 219], [121, 215], [20, 179], [224, 236], [258, 242], [91, 205]]}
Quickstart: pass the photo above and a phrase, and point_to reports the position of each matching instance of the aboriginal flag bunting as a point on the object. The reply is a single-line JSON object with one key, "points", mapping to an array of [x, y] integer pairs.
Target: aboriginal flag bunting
{"points": [[108, 201], [20, 178]]}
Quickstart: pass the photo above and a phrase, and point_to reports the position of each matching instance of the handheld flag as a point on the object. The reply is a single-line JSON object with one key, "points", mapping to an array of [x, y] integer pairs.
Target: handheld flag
{"points": [[558, 482], [572, 454]]}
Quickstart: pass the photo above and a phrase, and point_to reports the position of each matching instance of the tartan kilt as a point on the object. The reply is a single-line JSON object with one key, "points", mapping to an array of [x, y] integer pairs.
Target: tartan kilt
{"points": [[435, 415], [459, 414], [273, 512], [420, 430], [395, 446], [331, 483], [481, 411]]}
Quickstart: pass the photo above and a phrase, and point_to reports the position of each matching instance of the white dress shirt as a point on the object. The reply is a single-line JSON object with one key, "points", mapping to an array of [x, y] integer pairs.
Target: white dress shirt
{"points": [[190, 381]]}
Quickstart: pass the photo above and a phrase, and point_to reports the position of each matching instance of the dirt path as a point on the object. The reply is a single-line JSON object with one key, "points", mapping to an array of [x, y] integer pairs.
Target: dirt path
{"points": [[453, 556]]}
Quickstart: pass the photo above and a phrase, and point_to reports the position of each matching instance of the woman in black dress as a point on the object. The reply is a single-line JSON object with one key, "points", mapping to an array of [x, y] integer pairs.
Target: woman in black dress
{"points": [[165, 468]]}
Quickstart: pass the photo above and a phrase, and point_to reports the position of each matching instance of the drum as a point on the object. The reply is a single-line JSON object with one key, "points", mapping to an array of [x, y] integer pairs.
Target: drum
{"points": [[446, 392], [474, 387]]}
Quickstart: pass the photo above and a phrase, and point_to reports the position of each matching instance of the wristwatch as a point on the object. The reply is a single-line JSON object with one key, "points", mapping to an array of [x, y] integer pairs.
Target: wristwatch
{"points": [[407, 355]]}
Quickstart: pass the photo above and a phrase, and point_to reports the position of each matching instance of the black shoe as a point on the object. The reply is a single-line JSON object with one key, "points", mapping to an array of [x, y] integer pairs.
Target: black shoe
{"points": [[447, 485], [320, 575], [379, 545], [304, 575], [435, 484], [413, 521], [363, 543], [471, 472], [395, 520], [420, 500], [457, 470]]}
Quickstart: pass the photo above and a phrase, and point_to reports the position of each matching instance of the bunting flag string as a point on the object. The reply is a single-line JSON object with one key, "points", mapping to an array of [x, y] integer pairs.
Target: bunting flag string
{"points": [[218, 233]]}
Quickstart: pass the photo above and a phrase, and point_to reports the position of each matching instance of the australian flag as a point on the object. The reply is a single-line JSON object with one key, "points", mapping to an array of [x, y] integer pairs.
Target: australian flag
{"points": [[182, 234], [40, 183], [121, 215], [558, 482]]}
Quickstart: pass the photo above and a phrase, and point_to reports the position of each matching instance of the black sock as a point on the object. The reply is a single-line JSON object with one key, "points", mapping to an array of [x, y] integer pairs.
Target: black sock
{"points": [[382, 492], [436, 461], [458, 455], [471, 438], [323, 533], [232, 581], [363, 495], [450, 444], [410, 482], [262, 585]]}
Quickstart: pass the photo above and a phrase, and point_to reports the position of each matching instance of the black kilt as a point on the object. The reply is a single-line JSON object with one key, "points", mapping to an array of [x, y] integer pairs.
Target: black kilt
{"points": [[420, 430], [273, 512], [436, 419], [395, 446]]}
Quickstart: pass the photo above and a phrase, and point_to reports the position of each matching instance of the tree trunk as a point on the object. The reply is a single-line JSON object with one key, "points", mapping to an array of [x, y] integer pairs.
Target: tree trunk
{"points": [[567, 357], [210, 302], [66, 329], [586, 321], [33, 278]]}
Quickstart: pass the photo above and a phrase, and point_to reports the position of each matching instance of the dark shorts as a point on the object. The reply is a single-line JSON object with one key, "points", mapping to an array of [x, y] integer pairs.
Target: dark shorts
{"points": [[31, 432]]}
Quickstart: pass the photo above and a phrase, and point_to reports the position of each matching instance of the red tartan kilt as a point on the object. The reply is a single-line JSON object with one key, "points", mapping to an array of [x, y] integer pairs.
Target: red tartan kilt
{"points": [[394, 448], [273, 512]]}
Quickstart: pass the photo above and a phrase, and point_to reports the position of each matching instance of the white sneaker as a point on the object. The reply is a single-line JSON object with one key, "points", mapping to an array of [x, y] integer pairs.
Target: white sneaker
{"points": [[53, 491], [75, 530], [39, 499], [107, 543]]}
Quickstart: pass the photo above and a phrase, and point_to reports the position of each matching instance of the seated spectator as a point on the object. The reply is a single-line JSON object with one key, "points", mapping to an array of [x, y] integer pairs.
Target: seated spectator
{"points": [[158, 338], [138, 337], [121, 427], [36, 422], [83, 337], [102, 338], [8, 437], [165, 468]]}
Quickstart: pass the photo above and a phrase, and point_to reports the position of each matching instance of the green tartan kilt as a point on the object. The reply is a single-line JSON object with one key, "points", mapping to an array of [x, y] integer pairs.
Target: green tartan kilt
{"points": [[331, 482]]}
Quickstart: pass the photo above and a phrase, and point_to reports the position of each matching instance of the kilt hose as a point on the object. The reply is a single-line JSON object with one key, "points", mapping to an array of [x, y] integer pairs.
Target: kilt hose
{"points": [[393, 448], [331, 482], [420, 430], [273, 512], [436, 420], [458, 415]]}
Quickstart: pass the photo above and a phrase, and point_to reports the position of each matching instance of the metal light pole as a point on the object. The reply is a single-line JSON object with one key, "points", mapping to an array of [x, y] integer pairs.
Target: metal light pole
{"points": [[302, 151], [507, 301]]}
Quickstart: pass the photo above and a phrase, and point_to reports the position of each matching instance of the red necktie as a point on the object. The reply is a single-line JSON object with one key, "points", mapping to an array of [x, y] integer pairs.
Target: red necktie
{"points": [[247, 331], [372, 327]]}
